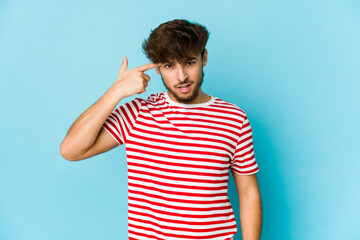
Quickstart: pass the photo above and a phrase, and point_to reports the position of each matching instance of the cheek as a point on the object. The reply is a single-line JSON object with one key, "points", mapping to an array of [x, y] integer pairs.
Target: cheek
{"points": [[196, 72], [167, 75]]}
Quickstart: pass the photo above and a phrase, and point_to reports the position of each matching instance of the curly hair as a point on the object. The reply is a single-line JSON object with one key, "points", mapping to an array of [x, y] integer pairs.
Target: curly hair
{"points": [[177, 40]]}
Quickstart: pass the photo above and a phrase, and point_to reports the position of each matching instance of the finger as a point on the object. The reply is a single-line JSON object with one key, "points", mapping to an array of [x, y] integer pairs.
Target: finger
{"points": [[124, 65], [146, 77], [147, 66], [142, 90]]}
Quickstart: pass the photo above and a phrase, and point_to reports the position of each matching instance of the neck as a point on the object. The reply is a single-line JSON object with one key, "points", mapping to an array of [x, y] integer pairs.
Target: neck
{"points": [[202, 98]]}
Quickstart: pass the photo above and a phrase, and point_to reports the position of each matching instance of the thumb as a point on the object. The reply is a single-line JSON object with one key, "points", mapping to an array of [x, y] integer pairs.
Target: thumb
{"points": [[124, 65]]}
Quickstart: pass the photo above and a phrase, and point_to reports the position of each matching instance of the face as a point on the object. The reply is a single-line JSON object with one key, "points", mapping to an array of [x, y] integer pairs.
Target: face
{"points": [[183, 79]]}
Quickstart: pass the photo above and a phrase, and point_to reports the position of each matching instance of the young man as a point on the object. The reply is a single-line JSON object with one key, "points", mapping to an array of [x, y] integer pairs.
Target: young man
{"points": [[180, 144]]}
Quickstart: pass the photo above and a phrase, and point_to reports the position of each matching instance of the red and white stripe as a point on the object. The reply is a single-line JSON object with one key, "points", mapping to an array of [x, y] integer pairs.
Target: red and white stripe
{"points": [[178, 166]]}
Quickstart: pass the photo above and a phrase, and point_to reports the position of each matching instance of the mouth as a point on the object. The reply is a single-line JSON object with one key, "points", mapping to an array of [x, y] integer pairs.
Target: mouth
{"points": [[185, 88]]}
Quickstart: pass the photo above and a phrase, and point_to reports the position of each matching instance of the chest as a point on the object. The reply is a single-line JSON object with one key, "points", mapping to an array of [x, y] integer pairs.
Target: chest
{"points": [[184, 135]]}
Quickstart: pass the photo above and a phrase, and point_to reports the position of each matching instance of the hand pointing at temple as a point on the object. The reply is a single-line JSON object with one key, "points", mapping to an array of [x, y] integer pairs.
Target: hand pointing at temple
{"points": [[134, 81]]}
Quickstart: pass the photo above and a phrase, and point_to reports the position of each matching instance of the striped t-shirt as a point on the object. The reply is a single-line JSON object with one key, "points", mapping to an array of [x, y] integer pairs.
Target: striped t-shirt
{"points": [[178, 158]]}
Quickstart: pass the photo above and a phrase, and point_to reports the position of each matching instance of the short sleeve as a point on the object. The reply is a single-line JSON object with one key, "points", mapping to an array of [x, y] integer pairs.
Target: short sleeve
{"points": [[121, 121], [244, 162]]}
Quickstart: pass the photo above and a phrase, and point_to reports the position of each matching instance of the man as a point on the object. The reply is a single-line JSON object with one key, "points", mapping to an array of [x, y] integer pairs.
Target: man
{"points": [[180, 144]]}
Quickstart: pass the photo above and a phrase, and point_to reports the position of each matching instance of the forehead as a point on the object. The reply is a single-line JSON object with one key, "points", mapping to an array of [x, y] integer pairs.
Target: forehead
{"points": [[190, 58]]}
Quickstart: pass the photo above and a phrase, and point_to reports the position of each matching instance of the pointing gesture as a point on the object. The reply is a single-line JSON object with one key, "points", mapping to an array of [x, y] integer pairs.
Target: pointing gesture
{"points": [[134, 81]]}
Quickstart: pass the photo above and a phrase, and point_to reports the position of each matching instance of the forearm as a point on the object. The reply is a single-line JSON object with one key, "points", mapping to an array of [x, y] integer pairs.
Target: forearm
{"points": [[251, 217], [84, 131]]}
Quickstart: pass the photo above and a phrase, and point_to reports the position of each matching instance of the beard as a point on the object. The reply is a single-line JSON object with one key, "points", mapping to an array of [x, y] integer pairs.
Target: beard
{"points": [[192, 96]]}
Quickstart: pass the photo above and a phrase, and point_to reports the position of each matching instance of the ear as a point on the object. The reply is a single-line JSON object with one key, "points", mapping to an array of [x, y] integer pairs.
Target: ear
{"points": [[204, 60], [158, 70]]}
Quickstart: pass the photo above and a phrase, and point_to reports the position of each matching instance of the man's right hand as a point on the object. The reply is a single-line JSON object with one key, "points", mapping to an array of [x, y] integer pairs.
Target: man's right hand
{"points": [[134, 81], [86, 137]]}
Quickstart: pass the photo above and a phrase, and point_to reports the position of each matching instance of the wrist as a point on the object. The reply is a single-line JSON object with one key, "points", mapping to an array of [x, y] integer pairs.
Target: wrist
{"points": [[116, 93]]}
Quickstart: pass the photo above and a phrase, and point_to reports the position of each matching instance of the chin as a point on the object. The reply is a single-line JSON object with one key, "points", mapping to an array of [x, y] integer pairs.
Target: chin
{"points": [[189, 97], [186, 99]]}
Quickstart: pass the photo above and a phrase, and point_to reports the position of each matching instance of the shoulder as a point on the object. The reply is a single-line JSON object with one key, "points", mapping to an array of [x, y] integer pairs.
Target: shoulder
{"points": [[137, 104], [230, 107], [152, 100], [156, 97], [130, 106], [239, 114]]}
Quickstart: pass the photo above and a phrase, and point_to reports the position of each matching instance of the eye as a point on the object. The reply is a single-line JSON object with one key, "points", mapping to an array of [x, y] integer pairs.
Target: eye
{"points": [[168, 65], [190, 63]]}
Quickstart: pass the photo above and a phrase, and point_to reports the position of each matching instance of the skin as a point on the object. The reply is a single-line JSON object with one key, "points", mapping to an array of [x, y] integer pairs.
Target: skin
{"points": [[86, 137], [250, 205], [177, 73]]}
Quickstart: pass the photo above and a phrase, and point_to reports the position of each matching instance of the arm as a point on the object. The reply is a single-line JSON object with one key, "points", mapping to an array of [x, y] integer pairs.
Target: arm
{"points": [[250, 205], [86, 137]]}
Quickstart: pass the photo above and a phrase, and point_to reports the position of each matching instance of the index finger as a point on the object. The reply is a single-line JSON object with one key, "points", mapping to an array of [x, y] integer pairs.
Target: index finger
{"points": [[147, 66]]}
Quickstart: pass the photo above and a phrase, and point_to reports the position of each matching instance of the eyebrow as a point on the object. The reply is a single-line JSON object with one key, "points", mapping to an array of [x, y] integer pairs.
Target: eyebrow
{"points": [[189, 59]]}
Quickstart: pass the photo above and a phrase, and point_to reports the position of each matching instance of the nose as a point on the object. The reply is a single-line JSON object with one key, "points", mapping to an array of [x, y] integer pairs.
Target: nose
{"points": [[182, 75]]}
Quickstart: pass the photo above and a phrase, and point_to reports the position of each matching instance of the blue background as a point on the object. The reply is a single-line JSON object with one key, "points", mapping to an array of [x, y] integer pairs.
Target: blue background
{"points": [[293, 66]]}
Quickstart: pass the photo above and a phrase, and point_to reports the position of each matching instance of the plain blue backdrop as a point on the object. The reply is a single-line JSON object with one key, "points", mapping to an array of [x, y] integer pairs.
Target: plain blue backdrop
{"points": [[293, 66]]}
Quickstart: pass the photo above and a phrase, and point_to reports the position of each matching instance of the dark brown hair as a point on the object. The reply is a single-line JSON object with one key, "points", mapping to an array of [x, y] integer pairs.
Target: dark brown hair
{"points": [[177, 40]]}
